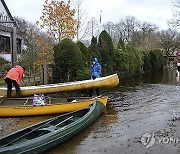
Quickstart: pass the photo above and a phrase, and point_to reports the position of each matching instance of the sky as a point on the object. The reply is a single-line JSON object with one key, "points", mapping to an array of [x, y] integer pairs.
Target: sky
{"points": [[153, 11]]}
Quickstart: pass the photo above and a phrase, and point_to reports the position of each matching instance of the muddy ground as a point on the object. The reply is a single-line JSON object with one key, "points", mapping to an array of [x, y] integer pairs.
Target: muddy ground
{"points": [[141, 119]]}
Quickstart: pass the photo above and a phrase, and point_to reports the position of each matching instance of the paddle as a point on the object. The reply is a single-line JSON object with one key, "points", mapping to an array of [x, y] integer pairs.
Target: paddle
{"points": [[37, 128]]}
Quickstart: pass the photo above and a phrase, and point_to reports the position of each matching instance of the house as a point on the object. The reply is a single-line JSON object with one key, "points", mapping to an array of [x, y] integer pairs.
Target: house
{"points": [[10, 43]]}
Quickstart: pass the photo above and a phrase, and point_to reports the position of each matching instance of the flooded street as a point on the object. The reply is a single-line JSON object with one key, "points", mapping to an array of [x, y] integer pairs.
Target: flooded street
{"points": [[142, 116]]}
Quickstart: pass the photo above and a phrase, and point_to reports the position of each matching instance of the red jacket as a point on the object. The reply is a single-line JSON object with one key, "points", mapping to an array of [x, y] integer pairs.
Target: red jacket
{"points": [[15, 73]]}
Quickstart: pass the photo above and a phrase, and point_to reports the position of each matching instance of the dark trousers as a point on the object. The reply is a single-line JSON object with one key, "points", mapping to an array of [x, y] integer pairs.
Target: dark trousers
{"points": [[9, 83], [91, 91]]}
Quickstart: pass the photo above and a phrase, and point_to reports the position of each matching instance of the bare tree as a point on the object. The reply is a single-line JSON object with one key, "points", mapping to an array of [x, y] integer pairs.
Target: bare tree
{"points": [[175, 22], [134, 32], [81, 19], [92, 27], [27, 31], [169, 41], [126, 27], [147, 28], [110, 28], [146, 36]]}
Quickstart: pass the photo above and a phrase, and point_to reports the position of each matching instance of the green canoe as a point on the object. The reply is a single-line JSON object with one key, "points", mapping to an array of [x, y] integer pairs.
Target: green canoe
{"points": [[50, 133]]}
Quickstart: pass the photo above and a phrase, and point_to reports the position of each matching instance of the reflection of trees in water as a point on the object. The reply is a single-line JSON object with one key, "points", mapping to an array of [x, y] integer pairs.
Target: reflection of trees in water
{"points": [[168, 75], [120, 97], [116, 95], [110, 116]]}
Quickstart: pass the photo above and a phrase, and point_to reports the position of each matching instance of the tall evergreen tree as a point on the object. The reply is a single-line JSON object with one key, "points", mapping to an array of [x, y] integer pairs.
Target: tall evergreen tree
{"points": [[93, 48], [121, 44], [107, 52]]}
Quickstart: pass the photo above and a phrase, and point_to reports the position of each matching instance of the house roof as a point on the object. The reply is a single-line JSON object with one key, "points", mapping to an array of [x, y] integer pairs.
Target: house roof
{"points": [[9, 13]]}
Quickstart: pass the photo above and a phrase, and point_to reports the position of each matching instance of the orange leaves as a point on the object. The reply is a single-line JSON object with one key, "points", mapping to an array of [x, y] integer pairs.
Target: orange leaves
{"points": [[45, 55], [58, 17]]}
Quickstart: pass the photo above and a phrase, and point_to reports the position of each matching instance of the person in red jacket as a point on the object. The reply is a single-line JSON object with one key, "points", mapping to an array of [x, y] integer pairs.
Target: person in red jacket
{"points": [[14, 77]]}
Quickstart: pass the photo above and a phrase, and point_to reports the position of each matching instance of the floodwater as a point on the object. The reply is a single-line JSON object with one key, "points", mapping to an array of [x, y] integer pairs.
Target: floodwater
{"points": [[142, 116], [140, 106]]}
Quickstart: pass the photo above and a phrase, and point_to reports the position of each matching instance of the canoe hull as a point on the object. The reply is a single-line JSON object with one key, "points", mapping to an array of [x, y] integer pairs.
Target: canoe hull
{"points": [[30, 110], [101, 83], [47, 142]]}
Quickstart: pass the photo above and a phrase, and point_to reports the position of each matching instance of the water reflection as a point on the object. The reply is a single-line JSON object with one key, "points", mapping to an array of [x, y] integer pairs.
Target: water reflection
{"points": [[110, 115], [117, 125], [110, 126], [168, 76]]}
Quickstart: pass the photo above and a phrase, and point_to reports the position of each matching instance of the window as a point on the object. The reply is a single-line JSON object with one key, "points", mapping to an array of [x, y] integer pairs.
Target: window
{"points": [[5, 44]]}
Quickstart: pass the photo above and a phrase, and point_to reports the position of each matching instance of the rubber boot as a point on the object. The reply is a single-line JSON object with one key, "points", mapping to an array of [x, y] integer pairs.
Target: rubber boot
{"points": [[9, 93], [90, 93], [18, 94], [97, 92]]}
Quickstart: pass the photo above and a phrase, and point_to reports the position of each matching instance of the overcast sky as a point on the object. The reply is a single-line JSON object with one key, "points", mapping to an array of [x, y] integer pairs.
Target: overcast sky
{"points": [[154, 11]]}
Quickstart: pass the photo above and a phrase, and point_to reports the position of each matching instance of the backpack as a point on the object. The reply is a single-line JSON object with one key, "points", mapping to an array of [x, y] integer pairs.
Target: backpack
{"points": [[39, 100]]}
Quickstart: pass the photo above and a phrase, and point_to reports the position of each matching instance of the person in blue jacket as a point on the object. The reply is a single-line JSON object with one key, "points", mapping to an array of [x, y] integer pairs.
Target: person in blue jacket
{"points": [[95, 73]]}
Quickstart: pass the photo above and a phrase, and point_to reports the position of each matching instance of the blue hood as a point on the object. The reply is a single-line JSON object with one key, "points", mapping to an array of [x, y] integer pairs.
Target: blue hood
{"points": [[95, 60]]}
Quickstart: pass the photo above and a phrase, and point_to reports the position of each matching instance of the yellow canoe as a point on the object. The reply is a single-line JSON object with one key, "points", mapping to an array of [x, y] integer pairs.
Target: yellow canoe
{"points": [[100, 83], [12, 107]]}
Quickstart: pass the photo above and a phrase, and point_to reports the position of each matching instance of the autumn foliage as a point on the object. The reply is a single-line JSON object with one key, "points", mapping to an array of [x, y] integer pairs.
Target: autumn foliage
{"points": [[58, 17], [45, 54]]}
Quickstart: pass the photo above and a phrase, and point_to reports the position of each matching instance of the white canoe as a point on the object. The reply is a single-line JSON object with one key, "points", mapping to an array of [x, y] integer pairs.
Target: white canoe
{"points": [[100, 83]]}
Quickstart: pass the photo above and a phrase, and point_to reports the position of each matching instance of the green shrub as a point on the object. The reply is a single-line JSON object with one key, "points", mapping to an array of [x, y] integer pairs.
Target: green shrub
{"points": [[68, 59], [156, 60], [83, 74], [2, 82], [4, 66], [86, 54], [128, 60]]}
